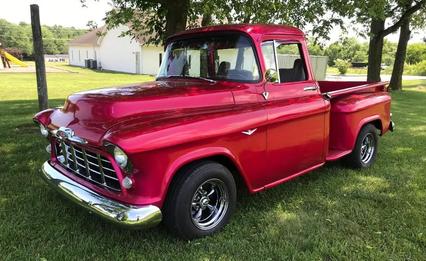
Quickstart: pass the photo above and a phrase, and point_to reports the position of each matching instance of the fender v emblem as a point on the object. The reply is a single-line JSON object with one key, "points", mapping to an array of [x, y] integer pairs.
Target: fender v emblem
{"points": [[249, 132]]}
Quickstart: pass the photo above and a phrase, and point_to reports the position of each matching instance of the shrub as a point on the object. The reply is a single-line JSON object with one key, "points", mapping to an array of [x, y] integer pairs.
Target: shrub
{"points": [[342, 65], [416, 69]]}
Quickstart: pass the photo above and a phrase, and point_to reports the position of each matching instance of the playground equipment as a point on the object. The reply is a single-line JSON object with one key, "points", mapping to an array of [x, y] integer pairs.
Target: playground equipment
{"points": [[7, 58]]}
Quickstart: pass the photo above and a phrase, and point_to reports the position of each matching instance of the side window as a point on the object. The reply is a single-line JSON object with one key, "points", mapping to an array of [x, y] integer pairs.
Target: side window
{"points": [[270, 63], [239, 61], [291, 65]]}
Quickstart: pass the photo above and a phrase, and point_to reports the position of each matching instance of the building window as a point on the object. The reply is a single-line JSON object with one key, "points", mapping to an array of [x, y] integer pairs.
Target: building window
{"points": [[87, 54], [72, 55], [79, 56], [160, 58]]}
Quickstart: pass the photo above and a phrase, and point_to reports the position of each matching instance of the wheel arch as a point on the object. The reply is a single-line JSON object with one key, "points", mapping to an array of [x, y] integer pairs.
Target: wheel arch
{"points": [[220, 155], [374, 120]]}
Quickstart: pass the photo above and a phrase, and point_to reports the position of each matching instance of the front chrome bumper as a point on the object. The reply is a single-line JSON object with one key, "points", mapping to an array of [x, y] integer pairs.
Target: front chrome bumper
{"points": [[127, 215]]}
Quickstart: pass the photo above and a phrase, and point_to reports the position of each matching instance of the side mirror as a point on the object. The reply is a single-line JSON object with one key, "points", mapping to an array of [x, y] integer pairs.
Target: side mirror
{"points": [[271, 75]]}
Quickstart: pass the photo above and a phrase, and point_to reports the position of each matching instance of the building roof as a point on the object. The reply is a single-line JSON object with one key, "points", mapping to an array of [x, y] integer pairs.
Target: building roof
{"points": [[250, 29], [90, 38]]}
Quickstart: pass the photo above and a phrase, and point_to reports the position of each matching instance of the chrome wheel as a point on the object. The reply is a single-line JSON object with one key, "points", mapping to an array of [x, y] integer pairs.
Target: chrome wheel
{"points": [[209, 204], [367, 148]]}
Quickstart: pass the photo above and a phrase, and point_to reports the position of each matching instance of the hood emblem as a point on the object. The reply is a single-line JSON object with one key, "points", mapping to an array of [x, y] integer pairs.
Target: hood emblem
{"points": [[68, 134]]}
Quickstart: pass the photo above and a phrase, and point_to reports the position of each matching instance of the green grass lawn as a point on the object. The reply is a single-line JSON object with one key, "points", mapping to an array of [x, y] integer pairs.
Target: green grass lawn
{"points": [[332, 213]]}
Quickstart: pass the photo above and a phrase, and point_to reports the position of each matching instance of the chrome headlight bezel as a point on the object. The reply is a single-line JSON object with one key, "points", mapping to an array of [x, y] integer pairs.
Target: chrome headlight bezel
{"points": [[120, 157]]}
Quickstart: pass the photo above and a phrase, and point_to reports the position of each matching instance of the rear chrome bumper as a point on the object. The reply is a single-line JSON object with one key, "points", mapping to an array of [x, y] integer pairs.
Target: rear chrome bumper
{"points": [[392, 126], [122, 214]]}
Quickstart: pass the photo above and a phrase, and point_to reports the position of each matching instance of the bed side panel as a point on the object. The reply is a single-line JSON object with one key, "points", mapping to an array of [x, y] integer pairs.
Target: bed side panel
{"points": [[350, 113]]}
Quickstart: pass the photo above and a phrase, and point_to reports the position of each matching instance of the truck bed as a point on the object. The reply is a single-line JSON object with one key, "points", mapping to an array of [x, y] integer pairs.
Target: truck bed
{"points": [[354, 104], [337, 88]]}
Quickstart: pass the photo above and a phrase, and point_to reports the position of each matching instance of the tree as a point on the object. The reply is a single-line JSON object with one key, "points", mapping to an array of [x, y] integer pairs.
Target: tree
{"points": [[378, 32], [400, 56], [416, 53], [92, 25], [155, 20], [377, 14], [345, 49], [19, 37]]}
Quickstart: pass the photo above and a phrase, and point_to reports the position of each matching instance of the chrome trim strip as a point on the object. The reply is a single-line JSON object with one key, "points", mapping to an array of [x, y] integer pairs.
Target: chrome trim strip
{"points": [[101, 168], [116, 212]]}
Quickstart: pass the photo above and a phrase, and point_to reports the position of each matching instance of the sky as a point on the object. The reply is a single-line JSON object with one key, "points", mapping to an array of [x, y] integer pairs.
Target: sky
{"points": [[61, 12], [71, 13]]}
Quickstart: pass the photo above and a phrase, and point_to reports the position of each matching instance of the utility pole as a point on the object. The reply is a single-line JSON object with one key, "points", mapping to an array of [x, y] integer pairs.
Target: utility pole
{"points": [[39, 58]]}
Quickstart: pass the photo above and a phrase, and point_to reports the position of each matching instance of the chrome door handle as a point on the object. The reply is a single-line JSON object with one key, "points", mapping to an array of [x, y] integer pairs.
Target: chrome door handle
{"points": [[311, 88]]}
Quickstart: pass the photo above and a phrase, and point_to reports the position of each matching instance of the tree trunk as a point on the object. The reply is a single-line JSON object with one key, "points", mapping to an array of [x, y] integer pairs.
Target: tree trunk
{"points": [[176, 17], [39, 58], [398, 66], [207, 20], [375, 50]]}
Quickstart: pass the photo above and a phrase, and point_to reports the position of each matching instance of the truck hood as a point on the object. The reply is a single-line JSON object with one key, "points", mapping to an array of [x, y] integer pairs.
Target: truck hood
{"points": [[91, 113]]}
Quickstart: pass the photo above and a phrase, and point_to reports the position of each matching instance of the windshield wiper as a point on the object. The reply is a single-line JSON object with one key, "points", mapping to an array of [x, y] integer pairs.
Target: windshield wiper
{"points": [[190, 77]]}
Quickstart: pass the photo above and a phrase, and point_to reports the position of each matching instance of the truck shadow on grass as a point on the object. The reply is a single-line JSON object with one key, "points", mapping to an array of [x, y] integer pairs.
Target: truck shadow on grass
{"points": [[330, 213]]}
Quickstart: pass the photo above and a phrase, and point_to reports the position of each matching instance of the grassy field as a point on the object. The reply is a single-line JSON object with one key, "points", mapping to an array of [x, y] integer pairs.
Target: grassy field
{"points": [[332, 213]]}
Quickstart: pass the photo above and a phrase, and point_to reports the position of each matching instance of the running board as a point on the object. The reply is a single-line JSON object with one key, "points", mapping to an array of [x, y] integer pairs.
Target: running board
{"points": [[336, 154]]}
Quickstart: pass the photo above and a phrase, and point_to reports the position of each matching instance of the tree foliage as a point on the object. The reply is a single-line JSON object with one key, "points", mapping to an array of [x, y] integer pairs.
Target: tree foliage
{"points": [[416, 53], [152, 19], [19, 37]]}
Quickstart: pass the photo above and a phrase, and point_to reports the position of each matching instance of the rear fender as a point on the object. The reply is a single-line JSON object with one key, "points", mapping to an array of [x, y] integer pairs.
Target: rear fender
{"points": [[366, 121]]}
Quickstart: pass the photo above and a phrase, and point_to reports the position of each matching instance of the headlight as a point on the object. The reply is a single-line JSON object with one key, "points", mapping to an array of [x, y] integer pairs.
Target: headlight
{"points": [[120, 157], [44, 131]]}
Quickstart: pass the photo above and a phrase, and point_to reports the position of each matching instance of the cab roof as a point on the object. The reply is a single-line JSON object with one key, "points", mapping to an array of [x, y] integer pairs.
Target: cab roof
{"points": [[250, 29]]}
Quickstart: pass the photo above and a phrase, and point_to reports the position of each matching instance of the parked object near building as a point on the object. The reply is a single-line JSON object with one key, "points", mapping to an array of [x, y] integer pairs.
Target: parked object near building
{"points": [[114, 52], [223, 111], [56, 58]]}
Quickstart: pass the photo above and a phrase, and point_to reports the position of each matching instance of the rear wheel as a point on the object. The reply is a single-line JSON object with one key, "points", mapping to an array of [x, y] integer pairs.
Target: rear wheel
{"points": [[201, 200], [365, 151]]}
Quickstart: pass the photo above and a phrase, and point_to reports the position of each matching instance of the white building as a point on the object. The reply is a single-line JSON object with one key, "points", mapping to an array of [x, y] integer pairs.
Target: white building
{"points": [[115, 53]]}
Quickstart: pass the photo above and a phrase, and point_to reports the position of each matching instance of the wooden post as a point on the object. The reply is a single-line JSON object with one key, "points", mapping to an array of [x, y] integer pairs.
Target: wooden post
{"points": [[39, 58]]}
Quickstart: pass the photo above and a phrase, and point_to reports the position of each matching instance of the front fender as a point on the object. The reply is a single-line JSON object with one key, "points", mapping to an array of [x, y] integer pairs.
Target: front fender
{"points": [[43, 117], [196, 155]]}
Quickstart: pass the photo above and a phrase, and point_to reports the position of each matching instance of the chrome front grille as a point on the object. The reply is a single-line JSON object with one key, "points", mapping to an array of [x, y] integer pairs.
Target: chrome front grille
{"points": [[88, 165]]}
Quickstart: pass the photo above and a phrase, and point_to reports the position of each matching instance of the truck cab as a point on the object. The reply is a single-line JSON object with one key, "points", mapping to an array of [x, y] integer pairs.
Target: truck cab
{"points": [[232, 105]]}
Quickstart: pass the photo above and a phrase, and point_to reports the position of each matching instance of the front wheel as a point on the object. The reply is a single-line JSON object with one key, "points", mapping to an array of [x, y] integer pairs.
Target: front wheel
{"points": [[365, 151], [201, 200]]}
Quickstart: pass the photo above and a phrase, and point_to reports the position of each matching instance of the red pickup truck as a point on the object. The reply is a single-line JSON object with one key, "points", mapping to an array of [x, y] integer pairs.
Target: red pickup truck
{"points": [[232, 105]]}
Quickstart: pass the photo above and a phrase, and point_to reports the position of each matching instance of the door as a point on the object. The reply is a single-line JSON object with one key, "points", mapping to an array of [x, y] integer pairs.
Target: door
{"points": [[296, 111]]}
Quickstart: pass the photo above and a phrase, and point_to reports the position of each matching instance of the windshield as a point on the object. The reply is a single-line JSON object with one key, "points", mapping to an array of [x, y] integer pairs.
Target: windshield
{"points": [[222, 57]]}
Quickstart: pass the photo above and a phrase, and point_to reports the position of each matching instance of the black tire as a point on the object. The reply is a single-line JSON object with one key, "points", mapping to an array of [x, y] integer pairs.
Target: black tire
{"points": [[186, 198], [361, 156]]}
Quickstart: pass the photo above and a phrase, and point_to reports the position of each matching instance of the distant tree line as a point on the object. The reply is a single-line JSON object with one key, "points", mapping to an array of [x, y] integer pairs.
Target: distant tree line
{"points": [[349, 49], [17, 38]]}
